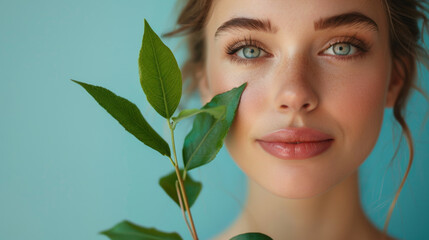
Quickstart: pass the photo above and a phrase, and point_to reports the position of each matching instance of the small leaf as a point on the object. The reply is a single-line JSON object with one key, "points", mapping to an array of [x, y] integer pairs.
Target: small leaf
{"points": [[126, 230], [192, 188], [217, 112], [160, 75], [251, 236], [128, 115], [206, 137]]}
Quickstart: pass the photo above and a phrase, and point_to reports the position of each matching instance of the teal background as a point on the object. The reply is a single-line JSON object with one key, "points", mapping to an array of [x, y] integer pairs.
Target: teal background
{"points": [[68, 170]]}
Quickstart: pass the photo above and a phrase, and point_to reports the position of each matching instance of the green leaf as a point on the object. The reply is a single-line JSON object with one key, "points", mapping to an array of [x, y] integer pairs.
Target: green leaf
{"points": [[206, 137], [126, 230], [160, 75], [217, 112], [251, 236], [128, 115], [192, 188]]}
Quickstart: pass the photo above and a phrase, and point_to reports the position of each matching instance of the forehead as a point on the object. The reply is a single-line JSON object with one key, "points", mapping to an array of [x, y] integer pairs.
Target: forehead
{"points": [[292, 15]]}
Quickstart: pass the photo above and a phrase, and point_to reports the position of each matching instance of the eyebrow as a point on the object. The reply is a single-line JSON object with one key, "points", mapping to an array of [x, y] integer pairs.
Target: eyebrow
{"points": [[264, 25], [246, 24], [352, 19]]}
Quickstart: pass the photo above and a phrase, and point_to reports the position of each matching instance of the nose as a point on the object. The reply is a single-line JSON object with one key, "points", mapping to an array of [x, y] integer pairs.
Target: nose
{"points": [[295, 88]]}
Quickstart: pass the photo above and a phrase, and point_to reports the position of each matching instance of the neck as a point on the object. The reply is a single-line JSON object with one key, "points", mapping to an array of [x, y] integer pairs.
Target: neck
{"points": [[335, 214]]}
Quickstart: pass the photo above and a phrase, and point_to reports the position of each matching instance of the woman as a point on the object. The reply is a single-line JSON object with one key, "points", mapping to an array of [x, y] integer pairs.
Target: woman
{"points": [[319, 74]]}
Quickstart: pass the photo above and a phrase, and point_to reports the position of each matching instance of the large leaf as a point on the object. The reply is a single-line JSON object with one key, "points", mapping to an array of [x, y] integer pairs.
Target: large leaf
{"points": [[128, 115], [192, 188], [160, 75], [216, 112], [207, 134], [126, 230], [251, 236]]}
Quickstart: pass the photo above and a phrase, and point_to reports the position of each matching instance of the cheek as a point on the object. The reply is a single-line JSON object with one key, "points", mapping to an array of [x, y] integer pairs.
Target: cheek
{"points": [[357, 106], [223, 77], [248, 116], [253, 105]]}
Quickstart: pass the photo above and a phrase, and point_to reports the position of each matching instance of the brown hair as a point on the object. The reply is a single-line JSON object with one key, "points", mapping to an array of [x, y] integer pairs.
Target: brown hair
{"points": [[406, 46]]}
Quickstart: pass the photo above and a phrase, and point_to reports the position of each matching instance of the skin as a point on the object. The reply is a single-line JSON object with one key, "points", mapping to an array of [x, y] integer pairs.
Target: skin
{"points": [[297, 82]]}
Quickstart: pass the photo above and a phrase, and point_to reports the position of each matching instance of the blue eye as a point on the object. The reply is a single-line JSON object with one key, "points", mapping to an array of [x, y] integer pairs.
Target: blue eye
{"points": [[341, 49], [250, 52], [246, 51]]}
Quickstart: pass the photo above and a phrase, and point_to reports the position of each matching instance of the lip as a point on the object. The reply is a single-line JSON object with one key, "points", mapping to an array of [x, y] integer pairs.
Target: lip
{"points": [[296, 143]]}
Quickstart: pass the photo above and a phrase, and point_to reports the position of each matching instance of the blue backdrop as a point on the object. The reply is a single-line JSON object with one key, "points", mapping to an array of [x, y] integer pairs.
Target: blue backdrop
{"points": [[68, 170]]}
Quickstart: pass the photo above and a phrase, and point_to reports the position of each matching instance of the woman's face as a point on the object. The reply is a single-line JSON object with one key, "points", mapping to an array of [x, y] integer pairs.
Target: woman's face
{"points": [[321, 65]]}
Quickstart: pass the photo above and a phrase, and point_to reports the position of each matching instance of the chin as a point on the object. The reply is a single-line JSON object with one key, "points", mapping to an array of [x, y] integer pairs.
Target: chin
{"points": [[298, 182], [292, 190]]}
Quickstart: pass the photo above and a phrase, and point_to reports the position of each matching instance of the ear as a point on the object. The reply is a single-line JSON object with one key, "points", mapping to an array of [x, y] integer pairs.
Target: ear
{"points": [[203, 86], [397, 80]]}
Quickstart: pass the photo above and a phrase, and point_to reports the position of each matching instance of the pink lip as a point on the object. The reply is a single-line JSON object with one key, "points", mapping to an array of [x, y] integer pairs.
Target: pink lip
{"points": [[296, 143]]}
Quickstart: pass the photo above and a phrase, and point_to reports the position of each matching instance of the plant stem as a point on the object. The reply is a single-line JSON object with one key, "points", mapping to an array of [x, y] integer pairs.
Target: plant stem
{"points": [[179, 178], [181, 207], [184, 174], [174, 165], [185, 198]]}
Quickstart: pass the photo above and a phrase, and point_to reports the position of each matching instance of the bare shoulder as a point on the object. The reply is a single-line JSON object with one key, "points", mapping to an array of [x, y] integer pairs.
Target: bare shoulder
{"points": [[386, 237], [375, 234], [390, 238], [227, 234], [222, 237]]}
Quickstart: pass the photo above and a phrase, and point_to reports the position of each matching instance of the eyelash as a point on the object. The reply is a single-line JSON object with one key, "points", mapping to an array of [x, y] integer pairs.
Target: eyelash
{"points": [[362, 48], [240, 44]]}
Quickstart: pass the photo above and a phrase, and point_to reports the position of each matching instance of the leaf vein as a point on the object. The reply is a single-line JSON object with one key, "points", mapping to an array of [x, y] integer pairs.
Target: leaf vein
{"points": [[201, 142], [160, 76]]}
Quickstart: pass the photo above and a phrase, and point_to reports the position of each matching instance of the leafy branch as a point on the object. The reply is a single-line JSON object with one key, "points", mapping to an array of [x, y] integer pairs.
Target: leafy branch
{"points": [[161, 81]]}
